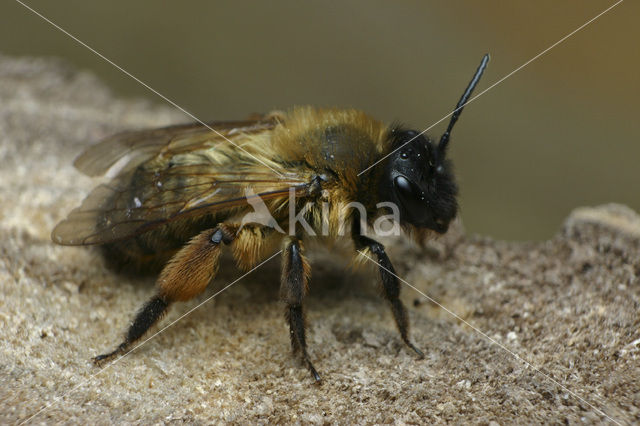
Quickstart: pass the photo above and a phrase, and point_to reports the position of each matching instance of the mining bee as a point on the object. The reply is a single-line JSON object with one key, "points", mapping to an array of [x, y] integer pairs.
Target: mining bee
{"points": [[181, 193]]}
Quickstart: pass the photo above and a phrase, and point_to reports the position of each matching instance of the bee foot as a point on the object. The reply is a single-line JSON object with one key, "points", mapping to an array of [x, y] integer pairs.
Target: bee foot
{"points": [[415, 349], [313, 372], [100, 360]]}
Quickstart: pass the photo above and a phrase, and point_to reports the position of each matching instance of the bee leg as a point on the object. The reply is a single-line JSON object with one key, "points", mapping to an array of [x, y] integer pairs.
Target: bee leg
{"points": [[391, 288], [293, 288], [184, 277], [149, 314]]}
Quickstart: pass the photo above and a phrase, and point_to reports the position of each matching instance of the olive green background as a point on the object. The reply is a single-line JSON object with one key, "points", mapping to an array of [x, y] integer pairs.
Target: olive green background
{"points": [[562, 132]]}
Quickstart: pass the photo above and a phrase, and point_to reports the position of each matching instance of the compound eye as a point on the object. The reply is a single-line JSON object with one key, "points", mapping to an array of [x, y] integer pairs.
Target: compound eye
{"points": [[409, 194]]}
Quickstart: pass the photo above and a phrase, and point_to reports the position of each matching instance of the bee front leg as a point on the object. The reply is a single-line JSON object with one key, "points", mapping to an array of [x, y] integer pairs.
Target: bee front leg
{"points": [[184, 277], [390, 286], [293, 288]]}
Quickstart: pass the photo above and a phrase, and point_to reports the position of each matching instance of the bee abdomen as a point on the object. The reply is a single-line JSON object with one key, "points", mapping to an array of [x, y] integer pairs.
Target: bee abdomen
{"points": [[149, 252], [129, 256]]}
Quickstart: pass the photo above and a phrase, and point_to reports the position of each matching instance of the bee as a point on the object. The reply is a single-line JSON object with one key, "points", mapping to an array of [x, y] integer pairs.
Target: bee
{"points": [[181, 193]]}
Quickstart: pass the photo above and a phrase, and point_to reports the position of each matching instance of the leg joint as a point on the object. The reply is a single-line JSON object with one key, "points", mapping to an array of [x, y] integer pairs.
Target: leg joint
{"points": [[366, 242], [221, 234]]}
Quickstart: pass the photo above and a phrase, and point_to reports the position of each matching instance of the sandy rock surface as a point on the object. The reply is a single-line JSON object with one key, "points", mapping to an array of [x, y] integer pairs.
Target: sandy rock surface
{"points": [[569, 307]]}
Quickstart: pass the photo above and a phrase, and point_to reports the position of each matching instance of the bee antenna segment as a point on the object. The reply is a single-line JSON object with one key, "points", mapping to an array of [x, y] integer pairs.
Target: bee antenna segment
{"points": [[444, 140]]}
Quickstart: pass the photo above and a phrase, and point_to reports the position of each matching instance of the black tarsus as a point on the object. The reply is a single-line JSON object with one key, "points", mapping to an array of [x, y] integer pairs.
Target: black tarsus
{"points": [[151, 312], [292, 292], [444, 140], [390, 284]]}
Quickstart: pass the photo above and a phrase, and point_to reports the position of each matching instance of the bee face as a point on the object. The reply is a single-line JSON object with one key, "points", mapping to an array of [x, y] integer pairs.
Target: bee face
{"points": [[420, 182]]}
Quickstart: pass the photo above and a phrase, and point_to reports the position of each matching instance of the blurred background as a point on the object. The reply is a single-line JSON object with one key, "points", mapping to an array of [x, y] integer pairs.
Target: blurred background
{"points": [[562, 132]]}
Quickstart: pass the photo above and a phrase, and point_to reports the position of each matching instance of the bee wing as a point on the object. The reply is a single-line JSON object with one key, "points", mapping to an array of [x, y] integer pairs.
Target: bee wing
{"points": [[136, 147], [141, 198]]}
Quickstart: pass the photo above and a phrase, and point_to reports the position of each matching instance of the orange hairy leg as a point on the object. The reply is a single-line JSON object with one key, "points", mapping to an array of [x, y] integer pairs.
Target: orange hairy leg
{"points": [[184, 277]]}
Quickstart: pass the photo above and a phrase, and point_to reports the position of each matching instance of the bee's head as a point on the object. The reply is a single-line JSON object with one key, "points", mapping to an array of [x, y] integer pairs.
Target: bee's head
{"points": [[418, 178]]}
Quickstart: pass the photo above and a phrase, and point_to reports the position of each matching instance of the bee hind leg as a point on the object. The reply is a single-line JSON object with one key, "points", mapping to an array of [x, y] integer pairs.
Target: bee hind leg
{"points": [[185, 276], [293, 288], [149, 314]]}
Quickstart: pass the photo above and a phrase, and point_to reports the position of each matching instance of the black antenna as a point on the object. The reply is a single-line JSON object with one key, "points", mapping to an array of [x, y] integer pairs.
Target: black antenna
{"points": [[444, 140]]}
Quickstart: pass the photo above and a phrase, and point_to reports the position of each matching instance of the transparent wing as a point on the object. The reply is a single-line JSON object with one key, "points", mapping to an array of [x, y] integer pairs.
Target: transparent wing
{"points": [[191, 173], [136, 147]]}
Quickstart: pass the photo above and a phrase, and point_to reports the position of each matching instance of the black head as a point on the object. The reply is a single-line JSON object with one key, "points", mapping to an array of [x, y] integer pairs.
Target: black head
{"points": [[419, 183], [418, 178]]}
